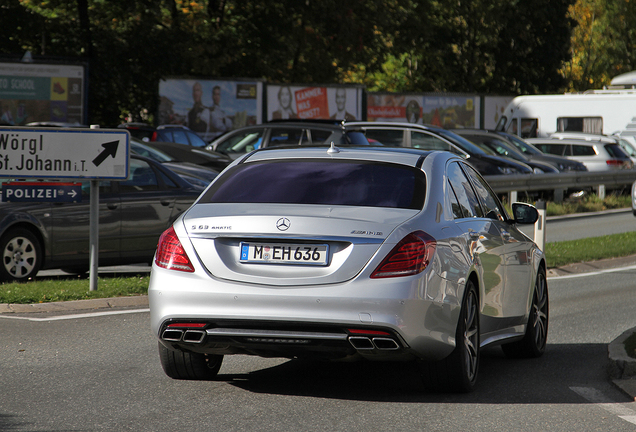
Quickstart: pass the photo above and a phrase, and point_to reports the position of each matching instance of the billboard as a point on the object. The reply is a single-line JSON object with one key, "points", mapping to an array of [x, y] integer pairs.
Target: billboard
{"points": [[210, 107], [444, 110], [314, 102], [38, 92]]}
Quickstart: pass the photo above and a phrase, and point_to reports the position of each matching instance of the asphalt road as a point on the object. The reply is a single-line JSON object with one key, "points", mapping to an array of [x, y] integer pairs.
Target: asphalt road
{"points": [[102, 373], [576, 227]]}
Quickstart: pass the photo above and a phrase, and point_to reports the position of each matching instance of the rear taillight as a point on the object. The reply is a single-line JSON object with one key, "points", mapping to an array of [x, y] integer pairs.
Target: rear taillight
{"points": [[614, 162], [170, 254], [409, 257], [153, 137]]}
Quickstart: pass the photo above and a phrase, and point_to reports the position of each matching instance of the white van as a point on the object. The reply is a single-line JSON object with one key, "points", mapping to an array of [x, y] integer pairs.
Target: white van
{"points": [[603, 112]]}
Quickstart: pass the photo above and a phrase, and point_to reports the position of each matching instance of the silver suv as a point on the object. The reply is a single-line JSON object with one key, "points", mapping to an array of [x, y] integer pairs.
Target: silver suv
{"points": [[595, 155]]}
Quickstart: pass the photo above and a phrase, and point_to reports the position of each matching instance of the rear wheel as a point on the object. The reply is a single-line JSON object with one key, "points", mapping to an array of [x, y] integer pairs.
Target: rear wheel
{"points": [[458, 372], [534, 342], [189, 366], [21, 255]]}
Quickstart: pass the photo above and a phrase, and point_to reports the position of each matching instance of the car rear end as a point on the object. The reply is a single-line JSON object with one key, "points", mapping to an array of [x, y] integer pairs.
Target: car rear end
{"points": [[303, 254]]}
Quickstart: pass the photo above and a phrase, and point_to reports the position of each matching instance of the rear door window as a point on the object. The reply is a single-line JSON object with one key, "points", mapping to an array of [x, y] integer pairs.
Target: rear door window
{"points": [[555, 149], [426, 141], [327, 182], [287, 136], [468, 201], [583, 150], [385, 137], [242, 142]]}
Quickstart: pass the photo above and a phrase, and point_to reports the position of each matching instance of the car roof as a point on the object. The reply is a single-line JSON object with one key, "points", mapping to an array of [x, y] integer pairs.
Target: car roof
{"points": [[403, 155]]}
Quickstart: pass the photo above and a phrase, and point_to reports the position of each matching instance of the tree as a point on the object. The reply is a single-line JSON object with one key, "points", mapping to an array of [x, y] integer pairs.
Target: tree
{"points": [[602, 43]]}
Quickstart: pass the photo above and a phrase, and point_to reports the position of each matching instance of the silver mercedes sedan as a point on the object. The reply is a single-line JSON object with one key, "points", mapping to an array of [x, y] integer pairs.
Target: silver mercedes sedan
{"points": [[349, 253]]}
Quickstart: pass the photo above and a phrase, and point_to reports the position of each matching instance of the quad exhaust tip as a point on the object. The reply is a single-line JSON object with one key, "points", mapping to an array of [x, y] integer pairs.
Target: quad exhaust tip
{"points": [[362, 343], [189, 336]]}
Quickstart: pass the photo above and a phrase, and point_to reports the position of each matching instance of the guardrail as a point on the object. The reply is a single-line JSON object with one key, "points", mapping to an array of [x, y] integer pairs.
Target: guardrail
{"points": [[559, 182]]}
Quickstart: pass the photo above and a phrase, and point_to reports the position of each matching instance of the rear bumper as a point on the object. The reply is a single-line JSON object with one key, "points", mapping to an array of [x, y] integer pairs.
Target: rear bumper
{"points": [[391, 319]]}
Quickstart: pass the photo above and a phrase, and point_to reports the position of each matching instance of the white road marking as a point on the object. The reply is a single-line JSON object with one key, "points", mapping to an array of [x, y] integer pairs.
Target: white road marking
{"points": [[598, 398], [75, 316], [596, 273]]}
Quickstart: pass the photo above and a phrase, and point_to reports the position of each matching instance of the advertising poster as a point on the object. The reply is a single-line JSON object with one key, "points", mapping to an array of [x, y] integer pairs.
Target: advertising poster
{"points": [[36, 92], [447, 111], [494, 107], [210, 107], [314, 102]]}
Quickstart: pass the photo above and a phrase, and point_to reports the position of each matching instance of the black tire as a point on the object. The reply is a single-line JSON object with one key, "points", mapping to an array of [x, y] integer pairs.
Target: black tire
{"points": [[535, 340], [189, 366], [21, 255], [457, 373]]}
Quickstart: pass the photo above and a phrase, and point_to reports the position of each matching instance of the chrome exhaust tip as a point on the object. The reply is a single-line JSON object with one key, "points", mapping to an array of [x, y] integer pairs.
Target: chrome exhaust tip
{"points": [[194, 336], [361, 343], [385, 344], [172, 335]]}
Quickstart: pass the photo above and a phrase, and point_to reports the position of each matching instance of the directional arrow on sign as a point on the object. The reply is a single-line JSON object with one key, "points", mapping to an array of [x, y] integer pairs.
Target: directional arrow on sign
{"points": [[110, 149]]}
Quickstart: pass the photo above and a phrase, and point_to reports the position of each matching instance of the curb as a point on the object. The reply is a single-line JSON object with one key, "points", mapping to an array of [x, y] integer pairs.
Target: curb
{"points": [[622, 368], [76, 305]]}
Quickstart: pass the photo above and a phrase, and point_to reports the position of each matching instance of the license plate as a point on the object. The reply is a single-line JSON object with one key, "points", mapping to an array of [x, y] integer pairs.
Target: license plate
{"points": [[275, 253]]}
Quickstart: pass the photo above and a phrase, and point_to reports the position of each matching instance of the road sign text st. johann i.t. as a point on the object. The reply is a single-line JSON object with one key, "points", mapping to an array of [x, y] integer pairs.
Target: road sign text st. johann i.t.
{"points": [[63, 153]]}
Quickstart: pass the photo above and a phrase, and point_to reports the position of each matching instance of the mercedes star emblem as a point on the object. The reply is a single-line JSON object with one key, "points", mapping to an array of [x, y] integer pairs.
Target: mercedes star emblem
{"points": [[283, 224]]}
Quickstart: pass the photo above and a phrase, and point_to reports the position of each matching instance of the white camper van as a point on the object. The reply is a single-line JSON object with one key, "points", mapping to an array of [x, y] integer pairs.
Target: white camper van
{"points": [[596, 112]]}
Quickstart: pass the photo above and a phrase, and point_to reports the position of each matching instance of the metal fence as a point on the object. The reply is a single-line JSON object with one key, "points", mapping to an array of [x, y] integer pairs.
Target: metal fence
{"points": [[558, 183]]}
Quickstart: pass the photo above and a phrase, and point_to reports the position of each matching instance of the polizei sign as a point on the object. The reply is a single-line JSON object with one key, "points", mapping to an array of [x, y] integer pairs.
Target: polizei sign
{"points": [[57, 153]]}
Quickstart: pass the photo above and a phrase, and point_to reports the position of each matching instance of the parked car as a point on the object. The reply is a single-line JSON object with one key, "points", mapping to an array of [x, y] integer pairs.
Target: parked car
{"points": [[280, 133], [528, 150], [198, 175], [132, 215], [501, 147], [195, 155], [166, 133], [369, 253], [596, 156], [395, 134], [625, 145]]}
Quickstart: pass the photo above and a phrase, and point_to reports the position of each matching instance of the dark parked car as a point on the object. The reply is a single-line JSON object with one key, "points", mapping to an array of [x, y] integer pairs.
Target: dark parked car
{"points": [[285, 133], [433, 138], [531, 152], [198, 175], [195, 155], [132, 215], [167, 133], [500, 146]]}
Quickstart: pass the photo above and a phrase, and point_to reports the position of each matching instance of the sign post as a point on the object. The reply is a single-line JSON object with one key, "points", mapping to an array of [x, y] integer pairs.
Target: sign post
{"points": [[67, 154]]}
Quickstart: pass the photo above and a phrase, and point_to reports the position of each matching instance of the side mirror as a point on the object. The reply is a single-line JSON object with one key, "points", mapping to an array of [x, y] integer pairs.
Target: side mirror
{"points": [[524, 214]]}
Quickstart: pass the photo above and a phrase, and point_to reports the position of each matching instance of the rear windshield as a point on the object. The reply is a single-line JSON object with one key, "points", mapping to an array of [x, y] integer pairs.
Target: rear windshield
{"points": [[616, 151], [326, 182]]}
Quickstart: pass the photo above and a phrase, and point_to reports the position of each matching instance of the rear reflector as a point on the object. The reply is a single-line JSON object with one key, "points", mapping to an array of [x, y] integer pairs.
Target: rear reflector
{"points": [[170, 254], [368, 332], [187, 325], [409, 257]]}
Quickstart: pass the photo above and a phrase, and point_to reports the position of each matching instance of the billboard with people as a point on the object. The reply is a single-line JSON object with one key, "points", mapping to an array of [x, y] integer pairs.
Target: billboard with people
{"points": [[210, 107], [444, 110], [314, 102], [37, 92]]}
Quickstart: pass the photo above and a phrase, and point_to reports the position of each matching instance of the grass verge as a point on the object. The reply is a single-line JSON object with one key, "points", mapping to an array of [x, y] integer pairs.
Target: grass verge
{"points": [[44, 290], [590, 249]]}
